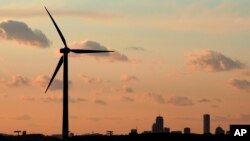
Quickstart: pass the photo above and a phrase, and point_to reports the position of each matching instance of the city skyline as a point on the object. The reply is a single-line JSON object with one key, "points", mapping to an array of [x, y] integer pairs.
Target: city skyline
{"points": [[160, 127], [179, 59], [157, 127]]}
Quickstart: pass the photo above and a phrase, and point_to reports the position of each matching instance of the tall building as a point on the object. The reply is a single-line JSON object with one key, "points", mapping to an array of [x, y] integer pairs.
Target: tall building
{"points": [[158, 126], [160, 123], [187, 130], [206, 123], [154, 128]]}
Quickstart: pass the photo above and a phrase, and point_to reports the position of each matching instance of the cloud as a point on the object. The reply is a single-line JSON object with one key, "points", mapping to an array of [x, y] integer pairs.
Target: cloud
{"points": [[52, 99], [204, 100], [122, 89], [101, 102], [134, 48], [212, 61], [128, 78], [77, 100], [158, 98], [242, 118], [18, 80], [28, 98], [214, 101], [23, 117], [57, 99], [93, 45], [43, 82], [23, 34], [90, 80], [180, 101], [243, 85], [127, 89], [127, 99]]}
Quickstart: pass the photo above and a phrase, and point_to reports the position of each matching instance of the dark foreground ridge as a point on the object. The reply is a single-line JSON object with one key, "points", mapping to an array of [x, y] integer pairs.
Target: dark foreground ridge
{"points": [[131, 137]]}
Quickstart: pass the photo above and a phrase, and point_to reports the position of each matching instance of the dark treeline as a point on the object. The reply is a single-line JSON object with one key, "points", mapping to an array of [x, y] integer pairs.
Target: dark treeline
{"points": [[135, 137]]}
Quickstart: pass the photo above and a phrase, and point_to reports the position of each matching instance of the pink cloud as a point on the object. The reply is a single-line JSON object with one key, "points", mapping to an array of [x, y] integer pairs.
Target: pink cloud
{"points": [[93, 45], [127, 89], [128, 78], [101, 102], [16, 81], [43, 81], [180, 101], [212, 61], [23, 34], [243, 85], [89, 79]]}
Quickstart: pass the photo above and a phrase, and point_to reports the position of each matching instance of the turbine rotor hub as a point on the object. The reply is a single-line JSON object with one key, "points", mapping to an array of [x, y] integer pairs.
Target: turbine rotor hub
{"points": [[64, 50]]}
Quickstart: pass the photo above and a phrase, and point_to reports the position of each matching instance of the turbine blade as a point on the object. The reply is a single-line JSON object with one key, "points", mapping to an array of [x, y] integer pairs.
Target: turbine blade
{"points": [[89, 51], [57, 68], [57, 28]]}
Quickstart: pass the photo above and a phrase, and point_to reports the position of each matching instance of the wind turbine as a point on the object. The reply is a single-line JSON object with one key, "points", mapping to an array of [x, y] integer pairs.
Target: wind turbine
{"points": [[64, 60]]}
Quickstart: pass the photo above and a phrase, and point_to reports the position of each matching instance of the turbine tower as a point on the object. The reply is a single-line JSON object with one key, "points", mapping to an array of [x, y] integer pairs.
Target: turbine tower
{"points": [[64, 60]]}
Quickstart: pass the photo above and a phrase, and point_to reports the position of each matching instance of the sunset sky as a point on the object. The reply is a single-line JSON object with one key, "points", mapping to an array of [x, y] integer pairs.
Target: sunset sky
{"points": [[176, 58]]}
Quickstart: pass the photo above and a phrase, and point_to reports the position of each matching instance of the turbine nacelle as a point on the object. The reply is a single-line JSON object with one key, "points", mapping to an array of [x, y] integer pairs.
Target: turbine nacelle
{"points": [[64, 50]]}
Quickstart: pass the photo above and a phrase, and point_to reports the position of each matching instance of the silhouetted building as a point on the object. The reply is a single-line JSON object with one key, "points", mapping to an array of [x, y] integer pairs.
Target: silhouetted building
{"points": [[219, 131], [206, 124], [133, 132], [187, 130], [158, 125], [59, 136], [24, 133], [18, 132], [71, 134], [167, 130], [109, 133], [146, 132], [154, 127], [176, 132]]}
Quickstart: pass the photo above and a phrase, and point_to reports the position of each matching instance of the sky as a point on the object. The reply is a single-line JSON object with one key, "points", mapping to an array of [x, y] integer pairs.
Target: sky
{"points": [[179, 59]]}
